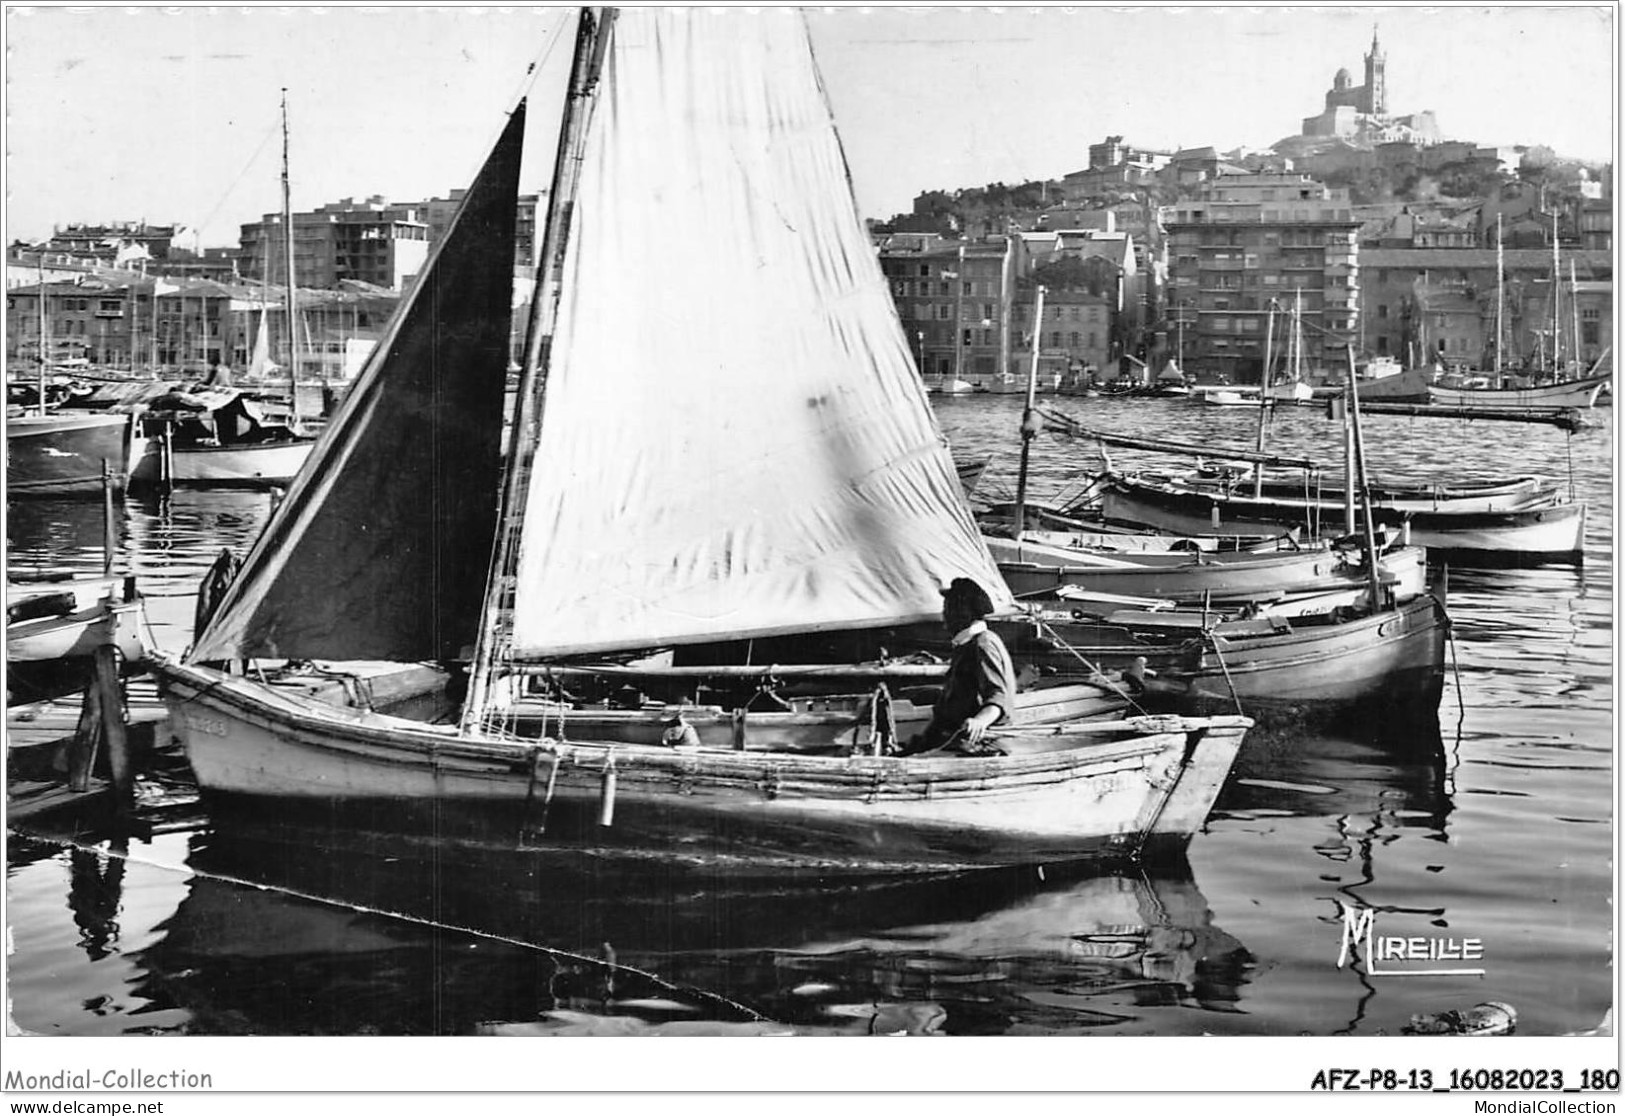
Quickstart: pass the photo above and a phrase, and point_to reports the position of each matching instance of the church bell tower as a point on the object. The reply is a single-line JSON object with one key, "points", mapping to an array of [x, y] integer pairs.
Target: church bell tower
{"points": [[1376, 85]]}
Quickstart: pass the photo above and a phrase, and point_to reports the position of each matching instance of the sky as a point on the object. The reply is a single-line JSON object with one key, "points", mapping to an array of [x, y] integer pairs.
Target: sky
{"points": [[171, 115]]}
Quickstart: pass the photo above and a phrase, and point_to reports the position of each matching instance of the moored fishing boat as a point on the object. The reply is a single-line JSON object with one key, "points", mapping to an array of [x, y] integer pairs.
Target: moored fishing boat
{"points": [[1558, 395], [1507, 523], [218, 438], [65, 452], [1327, 665], [48, 621], [1033, 569], [669, 527]]}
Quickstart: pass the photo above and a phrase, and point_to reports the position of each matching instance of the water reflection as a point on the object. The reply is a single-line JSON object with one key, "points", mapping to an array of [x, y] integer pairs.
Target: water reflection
{"points": [[95, 892], [1409, 779], [381, 936]]}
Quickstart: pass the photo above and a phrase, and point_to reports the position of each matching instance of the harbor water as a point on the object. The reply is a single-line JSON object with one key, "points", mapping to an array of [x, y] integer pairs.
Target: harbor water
{"points": [[1499, 829]]}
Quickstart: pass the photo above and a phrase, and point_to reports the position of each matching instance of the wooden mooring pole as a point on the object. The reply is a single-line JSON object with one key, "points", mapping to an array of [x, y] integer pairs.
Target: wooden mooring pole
{"points": [[110, 696], [108, 533]]}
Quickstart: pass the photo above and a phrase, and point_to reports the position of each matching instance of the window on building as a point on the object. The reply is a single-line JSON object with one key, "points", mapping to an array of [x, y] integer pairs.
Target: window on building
{"points": [[1589, 333], [1382, 310], [1055, 339], [942, 313], [967, 288], [1072, 339], [1382, 344], [987, 310]]}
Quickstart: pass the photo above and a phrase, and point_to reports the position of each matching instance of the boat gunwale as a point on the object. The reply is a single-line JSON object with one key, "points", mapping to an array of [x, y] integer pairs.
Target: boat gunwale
{"points": [[870, 774]]}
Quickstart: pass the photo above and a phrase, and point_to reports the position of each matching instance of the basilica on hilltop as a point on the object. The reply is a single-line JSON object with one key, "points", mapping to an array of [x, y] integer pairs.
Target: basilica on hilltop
{"points": [[1359, 113]]}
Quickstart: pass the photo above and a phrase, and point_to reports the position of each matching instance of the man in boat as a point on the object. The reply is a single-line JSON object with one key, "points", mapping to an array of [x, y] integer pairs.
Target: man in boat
{"points": [[980, 690]]}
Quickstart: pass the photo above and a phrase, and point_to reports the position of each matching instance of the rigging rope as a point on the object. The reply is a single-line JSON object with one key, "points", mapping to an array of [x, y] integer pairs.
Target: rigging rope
{"points": [[1095, 671], [310, 897]]}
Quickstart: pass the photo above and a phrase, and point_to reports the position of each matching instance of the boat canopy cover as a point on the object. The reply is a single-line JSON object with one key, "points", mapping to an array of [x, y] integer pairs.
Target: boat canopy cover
{"points": [[382, 546], [733, 441]]}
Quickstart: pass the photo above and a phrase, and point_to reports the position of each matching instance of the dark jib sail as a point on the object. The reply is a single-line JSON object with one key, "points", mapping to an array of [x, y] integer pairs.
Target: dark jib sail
{"points": [[382, 547]]}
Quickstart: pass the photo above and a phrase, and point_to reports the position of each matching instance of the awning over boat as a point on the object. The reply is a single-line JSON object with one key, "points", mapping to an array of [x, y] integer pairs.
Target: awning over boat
{"points": [[734, 441], [382, 547]]}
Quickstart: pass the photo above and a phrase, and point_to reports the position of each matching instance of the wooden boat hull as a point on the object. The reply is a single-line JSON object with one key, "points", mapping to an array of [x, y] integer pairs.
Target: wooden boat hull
{"points": [[79, 633], [1409, 386], [1391, 662], [63, 453], [267, 463], [1581, 394], [1232, 576], [1113, 791], [1533, 528]]}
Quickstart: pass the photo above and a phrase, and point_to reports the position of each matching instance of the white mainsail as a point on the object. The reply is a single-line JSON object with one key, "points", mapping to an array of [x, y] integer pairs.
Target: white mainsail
{"points": [[734, 441]]}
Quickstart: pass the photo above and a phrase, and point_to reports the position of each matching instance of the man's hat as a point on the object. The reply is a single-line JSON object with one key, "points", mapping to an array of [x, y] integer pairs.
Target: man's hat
{"points": [[966, 593]]}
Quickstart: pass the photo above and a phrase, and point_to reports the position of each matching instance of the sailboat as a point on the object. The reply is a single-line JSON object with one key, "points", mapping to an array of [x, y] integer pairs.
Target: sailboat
{"points": [[1503, 390], [411, 535]]}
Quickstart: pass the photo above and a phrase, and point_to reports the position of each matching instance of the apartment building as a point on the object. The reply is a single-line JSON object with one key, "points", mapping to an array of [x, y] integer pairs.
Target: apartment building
{"points": [[372, 241], [1441, 305], [955, 305], [1250, 244]]}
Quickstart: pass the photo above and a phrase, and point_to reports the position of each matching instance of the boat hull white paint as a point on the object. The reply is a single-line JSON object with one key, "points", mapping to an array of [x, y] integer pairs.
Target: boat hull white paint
{"points": [[1580, 394], [268, 463], [1530, 528], [1113, 795], [78, 634]]}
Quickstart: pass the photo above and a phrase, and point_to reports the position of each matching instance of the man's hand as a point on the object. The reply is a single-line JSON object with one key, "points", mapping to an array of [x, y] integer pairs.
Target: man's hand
{"points": [[975, 727]]}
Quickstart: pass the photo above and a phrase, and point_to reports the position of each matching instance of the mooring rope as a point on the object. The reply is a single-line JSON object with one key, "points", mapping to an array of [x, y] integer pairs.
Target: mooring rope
{"points": [[1455, 667], [1094, 670], [417, 920]]}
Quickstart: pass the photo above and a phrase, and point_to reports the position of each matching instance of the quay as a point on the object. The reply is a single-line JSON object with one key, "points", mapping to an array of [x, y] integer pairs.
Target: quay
{"points": [[39, 740]]}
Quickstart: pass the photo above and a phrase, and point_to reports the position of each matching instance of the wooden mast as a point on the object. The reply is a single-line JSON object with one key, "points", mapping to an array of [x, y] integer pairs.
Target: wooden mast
{"points": [[43, 333], [959, 318], [1030, 422], [1500, 298], [1264, 397], [287, 247], [1357, 465], [1557, 311], [592, 41]]}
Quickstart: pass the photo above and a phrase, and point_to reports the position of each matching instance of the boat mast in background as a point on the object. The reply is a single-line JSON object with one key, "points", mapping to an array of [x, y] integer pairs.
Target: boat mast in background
{"points": [[287, 243], [44, 327], [1500, 298], [1030, 422], [1264, 398], [959, 319], [1557, 314]]}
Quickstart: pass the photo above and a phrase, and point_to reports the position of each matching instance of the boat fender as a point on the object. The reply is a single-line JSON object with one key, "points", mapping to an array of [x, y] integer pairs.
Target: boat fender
{"points": [[1134, 675], [606, 808]]}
